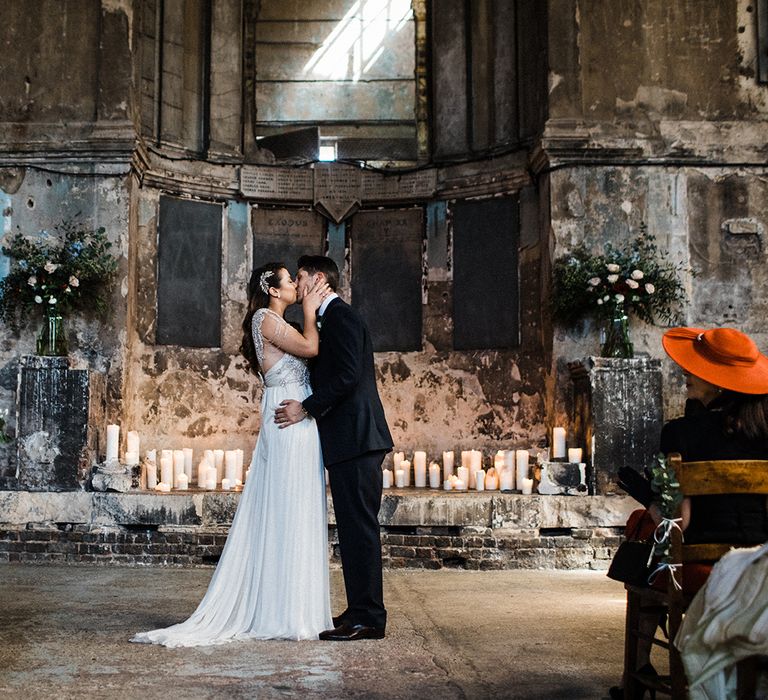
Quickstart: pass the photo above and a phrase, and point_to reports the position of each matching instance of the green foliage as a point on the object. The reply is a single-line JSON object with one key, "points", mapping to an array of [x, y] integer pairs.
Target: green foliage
{"points": [[69, 270], [664, 483], [637, 278]]}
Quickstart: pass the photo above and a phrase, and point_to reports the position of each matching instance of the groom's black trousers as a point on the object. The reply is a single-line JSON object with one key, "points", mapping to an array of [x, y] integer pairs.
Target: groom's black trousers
{"points": [[356, 490]]}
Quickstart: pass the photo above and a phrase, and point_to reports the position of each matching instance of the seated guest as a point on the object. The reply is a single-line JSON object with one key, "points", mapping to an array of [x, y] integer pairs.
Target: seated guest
{"points": [[726, 377]]}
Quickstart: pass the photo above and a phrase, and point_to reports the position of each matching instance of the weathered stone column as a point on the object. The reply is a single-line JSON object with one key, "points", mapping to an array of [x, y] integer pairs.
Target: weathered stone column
{"points": [[618, 404], [59, 411]]}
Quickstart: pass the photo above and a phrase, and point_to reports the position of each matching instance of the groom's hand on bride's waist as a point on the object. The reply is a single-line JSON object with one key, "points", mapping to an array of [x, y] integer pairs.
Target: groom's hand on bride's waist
{"points": [[289, 412]]}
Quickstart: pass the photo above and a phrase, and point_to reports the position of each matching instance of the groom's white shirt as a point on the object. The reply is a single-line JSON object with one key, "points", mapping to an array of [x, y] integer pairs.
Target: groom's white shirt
{"points": [[325, 303]]}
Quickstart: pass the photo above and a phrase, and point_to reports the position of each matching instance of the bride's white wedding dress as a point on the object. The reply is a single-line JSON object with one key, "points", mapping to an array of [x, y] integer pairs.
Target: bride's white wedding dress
{"points": [[271, 581]]}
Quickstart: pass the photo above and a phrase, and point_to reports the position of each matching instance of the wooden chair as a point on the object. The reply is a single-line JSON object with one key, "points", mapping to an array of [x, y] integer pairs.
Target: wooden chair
{"points": [[695, 479]]}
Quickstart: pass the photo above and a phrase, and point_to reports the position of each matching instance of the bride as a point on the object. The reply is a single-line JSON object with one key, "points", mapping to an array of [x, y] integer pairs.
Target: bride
{"points": [[271, 581]]}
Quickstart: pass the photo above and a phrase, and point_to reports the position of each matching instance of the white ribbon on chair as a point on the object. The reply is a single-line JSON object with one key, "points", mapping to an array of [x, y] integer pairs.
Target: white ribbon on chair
{"points": [[661, 534]]}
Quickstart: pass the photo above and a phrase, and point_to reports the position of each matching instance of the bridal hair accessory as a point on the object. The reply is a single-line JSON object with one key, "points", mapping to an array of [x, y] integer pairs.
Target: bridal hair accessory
{"points": [[263, 280]]}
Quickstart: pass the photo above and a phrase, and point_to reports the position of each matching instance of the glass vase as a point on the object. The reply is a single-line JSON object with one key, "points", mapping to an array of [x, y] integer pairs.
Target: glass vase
{"points": [[52, 340], [615, 341]]}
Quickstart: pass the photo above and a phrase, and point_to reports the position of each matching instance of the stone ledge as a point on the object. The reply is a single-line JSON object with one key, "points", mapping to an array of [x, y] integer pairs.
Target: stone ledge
{"points": [[400, 508]]}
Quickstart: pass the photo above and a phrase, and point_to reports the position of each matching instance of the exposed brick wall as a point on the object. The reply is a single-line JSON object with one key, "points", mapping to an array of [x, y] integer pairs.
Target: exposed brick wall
{"points": [[417, 548]]}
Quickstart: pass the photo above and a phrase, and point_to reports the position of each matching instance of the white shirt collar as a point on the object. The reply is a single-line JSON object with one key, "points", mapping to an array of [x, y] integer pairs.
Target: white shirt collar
{"points": [[325, 303]]}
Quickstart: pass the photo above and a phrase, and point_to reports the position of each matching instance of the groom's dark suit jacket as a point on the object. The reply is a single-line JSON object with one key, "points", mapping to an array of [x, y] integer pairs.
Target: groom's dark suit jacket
{"points": [[345, 401]]}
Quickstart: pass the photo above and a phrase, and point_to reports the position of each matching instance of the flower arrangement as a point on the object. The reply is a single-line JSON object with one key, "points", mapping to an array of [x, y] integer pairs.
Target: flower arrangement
{"points": [[56, 273], [636, 278]]}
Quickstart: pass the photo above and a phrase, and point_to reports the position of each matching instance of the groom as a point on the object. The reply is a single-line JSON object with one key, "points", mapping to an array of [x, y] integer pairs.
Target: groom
{"points": [[354, 438]]}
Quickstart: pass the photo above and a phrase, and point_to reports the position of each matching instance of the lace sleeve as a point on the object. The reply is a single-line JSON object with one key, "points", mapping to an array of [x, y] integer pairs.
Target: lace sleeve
{"points": [[274, 328]]}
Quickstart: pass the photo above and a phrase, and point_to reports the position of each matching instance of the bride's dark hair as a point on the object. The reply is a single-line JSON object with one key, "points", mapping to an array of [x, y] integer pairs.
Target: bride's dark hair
{"points": [[258, 298]]}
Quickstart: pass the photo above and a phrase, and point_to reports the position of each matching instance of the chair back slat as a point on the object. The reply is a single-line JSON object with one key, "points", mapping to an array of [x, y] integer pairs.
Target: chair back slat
{"points": [[714, 478]]}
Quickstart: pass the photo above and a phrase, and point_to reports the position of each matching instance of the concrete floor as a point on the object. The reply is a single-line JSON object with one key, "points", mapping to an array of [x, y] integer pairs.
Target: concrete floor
{"points": [[452, 634]]}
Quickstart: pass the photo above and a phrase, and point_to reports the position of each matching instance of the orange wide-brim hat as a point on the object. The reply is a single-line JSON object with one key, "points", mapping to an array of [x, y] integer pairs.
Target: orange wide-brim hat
{"points": [[724, 357]]}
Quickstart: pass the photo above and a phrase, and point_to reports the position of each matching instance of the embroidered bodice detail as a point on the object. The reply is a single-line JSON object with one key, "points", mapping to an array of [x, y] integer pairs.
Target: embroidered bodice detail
{"points": [[283, 368]]}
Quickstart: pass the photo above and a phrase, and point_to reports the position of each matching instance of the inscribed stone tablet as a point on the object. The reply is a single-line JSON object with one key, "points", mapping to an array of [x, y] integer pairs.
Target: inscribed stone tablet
{"points": [[407, 187], [284, 235], [189, 273], [338, 189], [485, 275], [276, 184], [387, 255]]}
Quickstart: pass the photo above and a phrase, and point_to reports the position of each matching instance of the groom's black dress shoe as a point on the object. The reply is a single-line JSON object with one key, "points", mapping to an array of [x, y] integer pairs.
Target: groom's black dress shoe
{"points": [[338, 621], [348, 632]]}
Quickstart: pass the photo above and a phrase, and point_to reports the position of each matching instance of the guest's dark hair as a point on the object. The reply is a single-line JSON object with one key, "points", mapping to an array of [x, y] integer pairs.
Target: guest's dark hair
{"points": [[321, 263], [745, 414], [262, 278]]}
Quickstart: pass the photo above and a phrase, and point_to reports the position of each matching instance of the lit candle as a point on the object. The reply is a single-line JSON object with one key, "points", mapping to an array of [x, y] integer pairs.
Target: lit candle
{"points": [[527, 487], [521, 467], [448, 464], [150, 469], [178, 466], [507, 479], [558, 442], [218, 462], [113, 441], [386, 479], [434, 475], [225, 484], [182, 482], [238, 484], [509, 459], [166, 470], [405, 467], [447, 486], [240, 458], [462, 474], [459, 485], [188, 454], [131, 458], [167, 454], [574, 455], [492, 480], [151, 456], [162, 486], [479, 477], [230, 465], [210, 479], [466, 458], [475, 464], [132, 446], [396, 459], [420, 469], [202, 472], [399, 478], [498, 460]]}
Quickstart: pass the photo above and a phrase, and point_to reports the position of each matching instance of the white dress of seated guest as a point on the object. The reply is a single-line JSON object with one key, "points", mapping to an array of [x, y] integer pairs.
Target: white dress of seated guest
{"points": [[271, 581]]}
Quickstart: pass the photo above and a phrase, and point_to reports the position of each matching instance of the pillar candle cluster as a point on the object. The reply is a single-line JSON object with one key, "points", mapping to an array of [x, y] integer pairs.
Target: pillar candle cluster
{"points": [[175, 469]]}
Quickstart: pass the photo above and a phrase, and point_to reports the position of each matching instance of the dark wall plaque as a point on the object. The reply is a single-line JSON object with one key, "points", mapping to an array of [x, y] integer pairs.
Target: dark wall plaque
{"points": [[485, 275], [189, 273], [284, 235], [387, 274]]}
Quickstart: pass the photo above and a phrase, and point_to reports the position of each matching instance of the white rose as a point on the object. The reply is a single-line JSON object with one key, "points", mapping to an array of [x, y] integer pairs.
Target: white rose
{"points": [[600, 302], [637, 274], [613, 267], [51, 267], [632, 284], [38, 300], [619, 297], [594, 281], [67, 290], [613, 278], [649, 288], [74, 282], [32, 281], [52, 301], [606, 298]]}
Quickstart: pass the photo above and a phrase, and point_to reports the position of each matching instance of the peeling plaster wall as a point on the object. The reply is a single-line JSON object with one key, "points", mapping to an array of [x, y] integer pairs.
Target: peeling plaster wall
{"points": [[665, 137]]}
